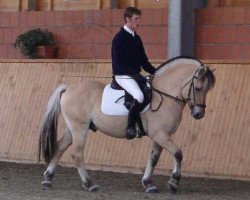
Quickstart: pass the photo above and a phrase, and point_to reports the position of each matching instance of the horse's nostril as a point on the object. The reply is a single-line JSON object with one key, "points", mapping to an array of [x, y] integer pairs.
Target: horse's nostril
{"points": [[198, 112], [198, 115]]}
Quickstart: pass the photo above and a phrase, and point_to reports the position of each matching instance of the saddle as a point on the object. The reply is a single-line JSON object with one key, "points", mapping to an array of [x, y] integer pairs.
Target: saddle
{"points": [[145, 87]]}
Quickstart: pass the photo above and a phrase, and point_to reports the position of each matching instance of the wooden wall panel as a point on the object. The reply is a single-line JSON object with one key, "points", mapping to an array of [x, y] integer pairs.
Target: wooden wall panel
{"points": [[15, 5], [234, 2], [76, 5], [151, 4], [105, 4], [229, 3], [24, 5], [143, 3], [44, 5], [213, 3], [217, 145], [126, 3], [9, 5]]}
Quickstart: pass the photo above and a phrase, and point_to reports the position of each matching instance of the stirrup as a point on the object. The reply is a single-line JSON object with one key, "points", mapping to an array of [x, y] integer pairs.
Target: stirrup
{"points": [[131, 133]]}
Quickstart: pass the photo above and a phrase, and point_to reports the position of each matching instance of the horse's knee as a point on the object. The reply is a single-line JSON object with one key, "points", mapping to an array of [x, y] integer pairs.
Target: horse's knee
{"points": [[77, 158], [178, 155]]}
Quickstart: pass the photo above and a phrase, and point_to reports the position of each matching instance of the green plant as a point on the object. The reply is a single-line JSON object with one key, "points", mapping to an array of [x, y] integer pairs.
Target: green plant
{"points": [[28, 41]]}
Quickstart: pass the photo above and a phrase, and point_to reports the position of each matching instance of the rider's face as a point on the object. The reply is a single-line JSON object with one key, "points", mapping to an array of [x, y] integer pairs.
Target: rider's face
{"points": [[133, 22]]}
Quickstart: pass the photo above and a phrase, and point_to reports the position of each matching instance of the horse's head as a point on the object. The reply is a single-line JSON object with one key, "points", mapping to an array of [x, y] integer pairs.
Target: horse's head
{"points": [[189, 83], [195, 90]]}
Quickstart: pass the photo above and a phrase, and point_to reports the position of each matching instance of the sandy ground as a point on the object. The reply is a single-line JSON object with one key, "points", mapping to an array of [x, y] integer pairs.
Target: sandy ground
{"points": [[23, 181]]}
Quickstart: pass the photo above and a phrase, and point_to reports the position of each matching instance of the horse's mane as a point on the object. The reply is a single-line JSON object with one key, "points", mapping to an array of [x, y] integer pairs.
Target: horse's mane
{"points": [[175, 59], [209, 73]]}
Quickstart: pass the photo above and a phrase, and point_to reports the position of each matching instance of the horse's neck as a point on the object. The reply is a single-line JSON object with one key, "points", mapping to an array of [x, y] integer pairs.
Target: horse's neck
{"points": [[173, 79]]}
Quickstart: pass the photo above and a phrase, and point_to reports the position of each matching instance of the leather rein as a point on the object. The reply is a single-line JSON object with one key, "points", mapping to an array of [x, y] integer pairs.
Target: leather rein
{"points": [[177, 99]]}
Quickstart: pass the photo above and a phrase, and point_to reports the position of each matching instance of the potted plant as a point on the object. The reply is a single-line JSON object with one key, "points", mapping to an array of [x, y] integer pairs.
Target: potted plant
{"points": [[29, 43]]}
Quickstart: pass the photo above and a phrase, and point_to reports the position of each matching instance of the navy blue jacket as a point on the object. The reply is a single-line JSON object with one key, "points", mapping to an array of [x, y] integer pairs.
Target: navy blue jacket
{"points": [[128, 55]]}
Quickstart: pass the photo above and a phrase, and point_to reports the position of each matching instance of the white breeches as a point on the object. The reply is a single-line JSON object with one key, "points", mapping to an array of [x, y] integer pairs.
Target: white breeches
{"points": [[131, 86]]}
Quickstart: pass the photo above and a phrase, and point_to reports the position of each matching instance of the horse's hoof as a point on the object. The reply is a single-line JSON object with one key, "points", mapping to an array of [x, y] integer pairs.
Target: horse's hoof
{"points": [[46, 185], [147, 183], [94, 188], [152, 189], [173, 187]]}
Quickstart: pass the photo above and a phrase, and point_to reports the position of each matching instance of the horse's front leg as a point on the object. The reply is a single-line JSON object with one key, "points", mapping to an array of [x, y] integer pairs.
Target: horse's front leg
{"points": [[154, 157], [164, 139]]}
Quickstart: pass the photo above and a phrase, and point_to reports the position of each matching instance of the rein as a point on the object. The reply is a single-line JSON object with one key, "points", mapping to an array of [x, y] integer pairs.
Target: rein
{"points": [[167, 95], [150, 80], [177, 99]]}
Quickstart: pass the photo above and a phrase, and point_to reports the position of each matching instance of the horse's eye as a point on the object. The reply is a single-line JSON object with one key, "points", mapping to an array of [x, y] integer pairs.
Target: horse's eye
{"points": [[198, 89]]}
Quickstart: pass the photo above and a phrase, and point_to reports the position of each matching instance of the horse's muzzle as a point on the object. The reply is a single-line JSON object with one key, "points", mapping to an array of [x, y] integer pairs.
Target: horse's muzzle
{"points": [[198, 112]]}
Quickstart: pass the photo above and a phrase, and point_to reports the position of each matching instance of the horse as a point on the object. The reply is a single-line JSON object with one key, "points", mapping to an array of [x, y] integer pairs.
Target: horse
{"points": [[178, 82]]}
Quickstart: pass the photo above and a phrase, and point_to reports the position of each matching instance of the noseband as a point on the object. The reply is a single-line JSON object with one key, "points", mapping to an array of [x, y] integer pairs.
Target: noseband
{"points": [[184, 101]]}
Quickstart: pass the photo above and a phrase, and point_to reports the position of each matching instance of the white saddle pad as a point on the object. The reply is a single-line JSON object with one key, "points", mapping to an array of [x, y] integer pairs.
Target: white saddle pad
{"points": [[110, 106]]}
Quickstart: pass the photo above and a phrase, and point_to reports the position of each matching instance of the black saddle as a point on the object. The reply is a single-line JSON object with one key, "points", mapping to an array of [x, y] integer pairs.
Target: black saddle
{"points": [[144, 85]]}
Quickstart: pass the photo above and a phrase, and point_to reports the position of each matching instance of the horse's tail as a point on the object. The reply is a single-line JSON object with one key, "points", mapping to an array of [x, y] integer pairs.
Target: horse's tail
{"points": [[48, 132]]}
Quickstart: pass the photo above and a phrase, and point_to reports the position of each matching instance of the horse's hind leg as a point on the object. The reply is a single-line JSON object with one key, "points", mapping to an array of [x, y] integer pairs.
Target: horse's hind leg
{"points": [[154, 157], [79, 134], [164, 140], [61, 147]]}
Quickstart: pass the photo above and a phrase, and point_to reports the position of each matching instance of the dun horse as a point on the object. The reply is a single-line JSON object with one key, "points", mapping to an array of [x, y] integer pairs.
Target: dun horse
{"points": [[177, 82]]}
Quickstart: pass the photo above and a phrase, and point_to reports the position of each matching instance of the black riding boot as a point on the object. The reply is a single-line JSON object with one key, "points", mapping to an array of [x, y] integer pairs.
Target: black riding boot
{"points": [[132, 119], [140, 125]]}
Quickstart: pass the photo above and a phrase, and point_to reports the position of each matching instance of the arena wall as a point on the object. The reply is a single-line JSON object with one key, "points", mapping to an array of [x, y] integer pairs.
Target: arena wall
{"points": [[217, 145], [220, 32], [83, 34]]}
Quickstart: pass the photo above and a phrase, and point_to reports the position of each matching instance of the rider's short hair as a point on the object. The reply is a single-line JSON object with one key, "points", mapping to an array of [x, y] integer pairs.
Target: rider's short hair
{"points": [[130, 11]]}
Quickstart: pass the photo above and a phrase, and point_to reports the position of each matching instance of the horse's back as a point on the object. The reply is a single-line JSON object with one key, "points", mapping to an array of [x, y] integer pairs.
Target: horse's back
{"points": [[80, 98]]}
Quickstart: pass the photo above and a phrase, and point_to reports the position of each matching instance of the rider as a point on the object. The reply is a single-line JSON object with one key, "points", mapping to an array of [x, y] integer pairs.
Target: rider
{"points": [[128, 57]]}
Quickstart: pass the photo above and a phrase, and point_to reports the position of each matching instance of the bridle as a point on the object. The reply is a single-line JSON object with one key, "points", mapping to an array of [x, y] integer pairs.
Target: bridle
{"points": [[191, 90]]}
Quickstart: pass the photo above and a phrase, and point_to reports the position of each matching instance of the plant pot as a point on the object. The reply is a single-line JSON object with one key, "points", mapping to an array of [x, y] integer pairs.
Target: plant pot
{"points": [[45, 52]]}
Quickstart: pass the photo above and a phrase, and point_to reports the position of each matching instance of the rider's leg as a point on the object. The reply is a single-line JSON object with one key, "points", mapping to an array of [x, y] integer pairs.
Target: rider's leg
{"points": [[140, 125], [132, 87], [132, 119]]}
